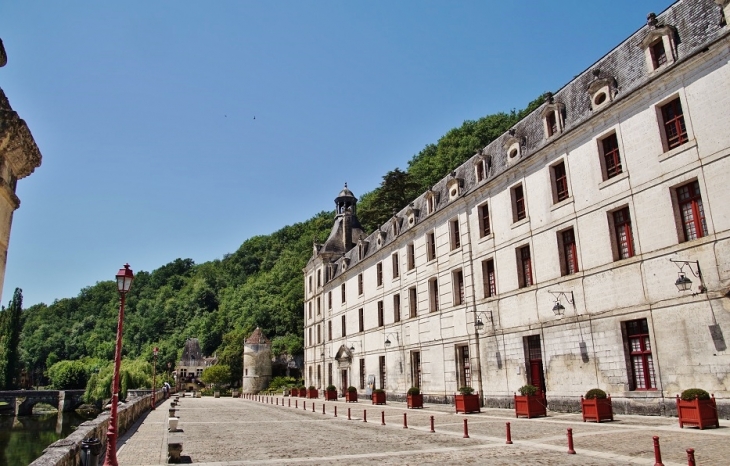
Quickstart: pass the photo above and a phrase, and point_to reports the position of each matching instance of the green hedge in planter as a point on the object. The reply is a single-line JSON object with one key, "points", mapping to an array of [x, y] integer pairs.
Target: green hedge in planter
{"points": [[527, 390], [414, 391], [595, 393], [692, 393], [331, 388], [466, 390], [351, 389]]}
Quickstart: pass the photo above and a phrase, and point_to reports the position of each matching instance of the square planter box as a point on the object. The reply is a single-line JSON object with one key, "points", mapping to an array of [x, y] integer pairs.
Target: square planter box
{"points": [[294, 392], [415, 401], [302, 393], [330, 395], [351, 397], [597, 409], [699, 413], [378, 398], [467, 403], [530, 406], [312, 393]]}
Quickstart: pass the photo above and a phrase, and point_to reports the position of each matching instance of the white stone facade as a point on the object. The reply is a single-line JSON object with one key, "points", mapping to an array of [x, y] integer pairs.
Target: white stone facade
{"points": [[576, 237]]}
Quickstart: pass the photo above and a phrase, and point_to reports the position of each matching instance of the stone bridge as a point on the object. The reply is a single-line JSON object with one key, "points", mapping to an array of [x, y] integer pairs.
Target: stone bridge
{"points": [[21, 402]]}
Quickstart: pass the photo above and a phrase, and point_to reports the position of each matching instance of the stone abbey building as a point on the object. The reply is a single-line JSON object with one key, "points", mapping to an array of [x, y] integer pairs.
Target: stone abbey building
{"points": [[556, 254]]}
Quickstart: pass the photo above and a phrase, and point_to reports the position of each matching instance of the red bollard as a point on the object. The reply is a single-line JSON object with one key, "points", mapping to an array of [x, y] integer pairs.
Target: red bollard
{"points": [[296, 403], [277, 402], [290, 402], [466, 429], [323, 405], [382, 418], [364, 415], [657, 452], [571, 451], [312, 406], [509, 435], [432, 429], [691, 457], [348, 414], [335, 410], [405, 421], [305, 405]]}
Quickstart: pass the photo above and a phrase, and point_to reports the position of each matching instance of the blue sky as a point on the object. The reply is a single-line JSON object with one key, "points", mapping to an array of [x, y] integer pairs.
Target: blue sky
{"points": [[144, 112]]}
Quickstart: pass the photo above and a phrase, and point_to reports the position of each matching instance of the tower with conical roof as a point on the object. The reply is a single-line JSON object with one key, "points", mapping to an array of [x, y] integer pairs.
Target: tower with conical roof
{"points": [[256, 362]]}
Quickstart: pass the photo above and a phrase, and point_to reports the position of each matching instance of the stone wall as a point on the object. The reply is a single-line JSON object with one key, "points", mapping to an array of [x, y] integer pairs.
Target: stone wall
{"points": [[67, 452]]}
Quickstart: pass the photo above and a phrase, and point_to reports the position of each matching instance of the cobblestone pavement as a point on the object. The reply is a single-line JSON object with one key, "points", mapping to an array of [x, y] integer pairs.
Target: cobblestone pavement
{"points": [[236, 431]]}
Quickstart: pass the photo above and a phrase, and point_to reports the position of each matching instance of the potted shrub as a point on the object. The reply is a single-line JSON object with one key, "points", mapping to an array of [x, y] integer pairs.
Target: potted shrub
{"points": [[596, 406], [529, 403], [378, 396], [467, 401], [351, 394], [330, 394], [312, 392], [414, 398], [294, 391], [302, 391], [695, 407]]}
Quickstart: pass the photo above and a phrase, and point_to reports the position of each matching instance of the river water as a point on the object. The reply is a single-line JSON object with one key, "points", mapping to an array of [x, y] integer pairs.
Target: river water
{"points": [[23, 438]]}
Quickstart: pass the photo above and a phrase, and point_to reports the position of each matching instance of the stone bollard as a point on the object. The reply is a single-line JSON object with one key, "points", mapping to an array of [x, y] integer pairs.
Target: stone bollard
{"points": [[172, 424]]}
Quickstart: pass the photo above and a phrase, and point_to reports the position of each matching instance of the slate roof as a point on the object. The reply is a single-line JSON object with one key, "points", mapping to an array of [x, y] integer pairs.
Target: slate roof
{"points": [[257, 338], [697, 24]]}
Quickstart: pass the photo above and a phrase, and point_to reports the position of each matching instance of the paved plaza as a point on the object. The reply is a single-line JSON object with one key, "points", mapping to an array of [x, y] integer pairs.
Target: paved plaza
{"points": [[236, 431]]}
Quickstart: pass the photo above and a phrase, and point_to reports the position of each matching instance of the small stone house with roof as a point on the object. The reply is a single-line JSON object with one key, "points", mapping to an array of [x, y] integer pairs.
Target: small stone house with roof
{"points": [[191, 366]]}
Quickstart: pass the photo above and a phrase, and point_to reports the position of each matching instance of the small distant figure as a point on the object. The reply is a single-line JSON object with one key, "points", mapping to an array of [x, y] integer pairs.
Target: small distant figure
{"points": [[166, 389]]}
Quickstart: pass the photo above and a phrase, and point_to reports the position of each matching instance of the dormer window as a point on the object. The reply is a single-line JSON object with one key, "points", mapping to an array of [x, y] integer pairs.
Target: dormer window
{"points": [[514, 146], [553, 117], [601, 91], [659, 44], [479, 168], [411, 215], [431, 201], [345, 263], [454, 188], [482, 166], [395, 226], [380, 238], [658, 54], [362, 249]]}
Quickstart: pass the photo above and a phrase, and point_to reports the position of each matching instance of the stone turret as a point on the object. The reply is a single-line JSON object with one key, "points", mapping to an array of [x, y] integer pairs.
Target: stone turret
{"points": [[256, 362]]}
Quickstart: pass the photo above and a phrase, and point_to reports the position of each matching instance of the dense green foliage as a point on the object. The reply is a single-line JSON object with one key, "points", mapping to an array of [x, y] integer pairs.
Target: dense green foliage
{"points": [[222, 301], [217, 375]]}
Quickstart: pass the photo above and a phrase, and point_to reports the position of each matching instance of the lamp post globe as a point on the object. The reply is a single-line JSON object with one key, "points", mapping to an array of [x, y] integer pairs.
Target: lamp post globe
{"points": [[558, 309], [124, 283]]}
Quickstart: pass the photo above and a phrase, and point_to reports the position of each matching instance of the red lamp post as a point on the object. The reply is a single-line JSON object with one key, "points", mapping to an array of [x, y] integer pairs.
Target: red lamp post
{"points": [[154, 367], [124, 283]]}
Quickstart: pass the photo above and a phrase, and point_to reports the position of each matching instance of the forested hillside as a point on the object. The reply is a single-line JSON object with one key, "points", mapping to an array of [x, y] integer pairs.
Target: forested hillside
{"points": [[221, 301]]}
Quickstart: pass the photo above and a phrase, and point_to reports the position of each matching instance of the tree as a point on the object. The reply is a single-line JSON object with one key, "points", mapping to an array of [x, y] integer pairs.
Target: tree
{"points": [[216, 375], [10, 335]]}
